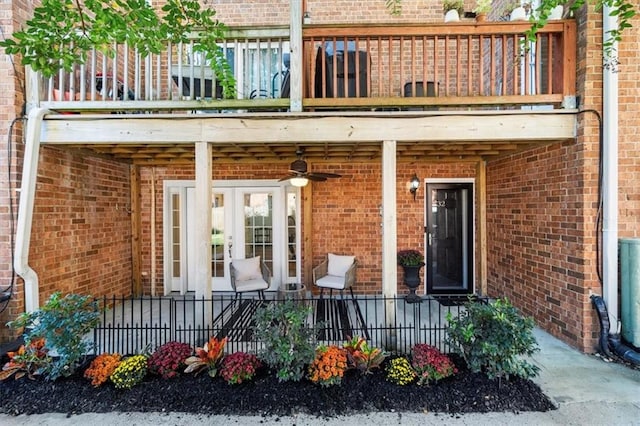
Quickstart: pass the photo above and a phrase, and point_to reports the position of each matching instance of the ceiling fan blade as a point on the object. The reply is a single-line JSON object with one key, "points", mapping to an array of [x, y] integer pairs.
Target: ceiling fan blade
{"points": [[314, 177], [325, 175]]}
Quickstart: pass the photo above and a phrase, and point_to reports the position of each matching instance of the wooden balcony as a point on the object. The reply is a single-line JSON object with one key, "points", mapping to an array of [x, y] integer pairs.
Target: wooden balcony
{"points": [[363, 67]]}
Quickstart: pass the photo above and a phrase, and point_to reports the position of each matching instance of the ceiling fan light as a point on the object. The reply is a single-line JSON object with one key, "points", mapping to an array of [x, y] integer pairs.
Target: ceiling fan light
{"points": [[299, 181]]}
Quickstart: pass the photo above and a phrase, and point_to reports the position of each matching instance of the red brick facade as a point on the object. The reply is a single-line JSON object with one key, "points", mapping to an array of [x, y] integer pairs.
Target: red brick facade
{"points": [[541, 204]]}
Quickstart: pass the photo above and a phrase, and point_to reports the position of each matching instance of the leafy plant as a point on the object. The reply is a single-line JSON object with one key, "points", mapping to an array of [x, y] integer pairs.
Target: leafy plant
{"points": [[328, 366], [62, 322], [492, 337], [393, 6], [363, 357], [410, 258], [130, 372], [430, 364], [62, 32], [239, 367], [169, 359], [458, 5], [399, 371], [289, 343], [26, 361], [207, 357], [482, 6], [622, 10], [102, 367]]}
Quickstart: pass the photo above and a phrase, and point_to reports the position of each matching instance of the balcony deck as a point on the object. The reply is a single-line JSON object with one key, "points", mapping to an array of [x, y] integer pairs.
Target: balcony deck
{"points": [[423, 76]]}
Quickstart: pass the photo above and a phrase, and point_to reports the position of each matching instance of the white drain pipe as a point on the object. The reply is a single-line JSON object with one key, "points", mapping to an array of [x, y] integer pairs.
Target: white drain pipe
{"points": [[610, 178], [25, 209]]}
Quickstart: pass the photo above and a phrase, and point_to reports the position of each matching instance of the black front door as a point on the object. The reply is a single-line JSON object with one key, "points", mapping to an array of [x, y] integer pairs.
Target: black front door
{"points": [[449, 238]]}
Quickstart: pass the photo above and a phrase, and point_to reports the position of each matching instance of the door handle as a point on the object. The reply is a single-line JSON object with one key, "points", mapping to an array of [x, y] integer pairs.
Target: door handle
{"points": [[429, 238]]}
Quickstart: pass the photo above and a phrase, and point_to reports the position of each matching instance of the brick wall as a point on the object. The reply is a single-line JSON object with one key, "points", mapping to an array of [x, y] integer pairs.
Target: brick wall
{"points": [[276, 12], [81, 237], [346, 217], [11, 105]]}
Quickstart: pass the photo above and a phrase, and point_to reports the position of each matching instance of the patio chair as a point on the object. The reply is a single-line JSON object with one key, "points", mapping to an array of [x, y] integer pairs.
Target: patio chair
{"points": [[336, 273], [249, 275]]}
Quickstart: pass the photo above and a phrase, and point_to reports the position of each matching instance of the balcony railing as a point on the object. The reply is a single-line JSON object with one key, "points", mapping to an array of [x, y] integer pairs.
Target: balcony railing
{"points": [[345, 66]]}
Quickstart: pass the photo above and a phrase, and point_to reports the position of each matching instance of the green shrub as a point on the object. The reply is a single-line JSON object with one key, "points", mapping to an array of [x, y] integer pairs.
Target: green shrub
{"points": [[130, 372], [62, 322], [492, 337], [289, 343]]}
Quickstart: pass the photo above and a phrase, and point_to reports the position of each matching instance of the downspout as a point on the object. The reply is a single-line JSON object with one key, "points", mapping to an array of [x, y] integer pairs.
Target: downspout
{"points": [[610, 177], [607, 305], [25, 209]]}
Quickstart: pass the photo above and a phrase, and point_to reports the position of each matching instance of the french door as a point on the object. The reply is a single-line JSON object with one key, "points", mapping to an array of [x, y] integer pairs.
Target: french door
{"points": [[449, 218], [247, 221]]}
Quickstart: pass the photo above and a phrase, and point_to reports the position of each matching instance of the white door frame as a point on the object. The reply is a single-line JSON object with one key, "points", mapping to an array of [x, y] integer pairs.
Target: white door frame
{"points": [[180, 187]]}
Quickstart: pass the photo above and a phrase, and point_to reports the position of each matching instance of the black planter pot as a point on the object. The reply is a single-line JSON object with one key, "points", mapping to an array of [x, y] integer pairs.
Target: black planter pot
{"points": [[412, 280]]}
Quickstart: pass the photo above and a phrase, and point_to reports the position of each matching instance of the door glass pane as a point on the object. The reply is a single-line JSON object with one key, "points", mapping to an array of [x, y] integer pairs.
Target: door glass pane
{"points": [[175, 235], [292, 209], [217, 236], [258, 226], [447, 238]]}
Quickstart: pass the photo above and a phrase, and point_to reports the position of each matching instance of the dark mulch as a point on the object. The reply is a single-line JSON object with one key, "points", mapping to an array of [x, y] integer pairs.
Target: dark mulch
{"points": [[465, 393]]}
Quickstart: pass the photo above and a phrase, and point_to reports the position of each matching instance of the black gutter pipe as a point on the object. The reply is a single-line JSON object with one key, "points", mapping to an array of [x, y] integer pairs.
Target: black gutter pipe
{"points": [[612, 341]]}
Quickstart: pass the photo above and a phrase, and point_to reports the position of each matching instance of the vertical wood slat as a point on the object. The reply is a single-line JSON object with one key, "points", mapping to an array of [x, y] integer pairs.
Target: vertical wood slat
{"points": [[517, 62], [470, 72], [550, 65], [458, 67]]}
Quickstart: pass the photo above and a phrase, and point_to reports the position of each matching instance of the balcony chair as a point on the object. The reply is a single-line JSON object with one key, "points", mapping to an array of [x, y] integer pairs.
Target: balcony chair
{"points": [[249, 275], [336, 273]]}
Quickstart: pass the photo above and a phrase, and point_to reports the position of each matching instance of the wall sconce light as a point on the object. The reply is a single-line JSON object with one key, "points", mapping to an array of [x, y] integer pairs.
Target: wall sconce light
{"points": [[306, 18], [299, 181], [414, 184]]}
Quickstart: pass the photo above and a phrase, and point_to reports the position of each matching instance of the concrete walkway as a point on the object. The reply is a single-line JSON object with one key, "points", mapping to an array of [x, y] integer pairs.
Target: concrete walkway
{"points": [[587, 390]]}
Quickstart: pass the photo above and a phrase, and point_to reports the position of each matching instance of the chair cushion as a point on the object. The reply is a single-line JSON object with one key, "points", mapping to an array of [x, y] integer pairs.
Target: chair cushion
{"points": [[331, 281], [247, 269], [339, 265], [251, 285]]}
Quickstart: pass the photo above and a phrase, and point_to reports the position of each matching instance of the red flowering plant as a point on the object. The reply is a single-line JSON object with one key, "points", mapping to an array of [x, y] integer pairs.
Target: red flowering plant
{"points": [[363, 357], [207, 357], [239, 367], [28, 360], [328, 366], [102, 367], [169, 359], [430, 364]]}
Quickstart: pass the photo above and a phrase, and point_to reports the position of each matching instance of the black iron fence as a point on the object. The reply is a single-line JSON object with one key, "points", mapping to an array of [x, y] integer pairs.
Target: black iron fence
{"points": [[133, 325]]}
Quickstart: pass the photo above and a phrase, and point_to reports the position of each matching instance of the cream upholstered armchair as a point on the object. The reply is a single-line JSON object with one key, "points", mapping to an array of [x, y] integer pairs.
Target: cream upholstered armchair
{"points": [[336, 273], [249, 275]]}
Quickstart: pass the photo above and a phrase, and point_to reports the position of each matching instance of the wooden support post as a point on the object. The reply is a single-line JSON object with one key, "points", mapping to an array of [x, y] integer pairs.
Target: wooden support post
{"points": [[136, 252], [389, 237], [481, 220]]}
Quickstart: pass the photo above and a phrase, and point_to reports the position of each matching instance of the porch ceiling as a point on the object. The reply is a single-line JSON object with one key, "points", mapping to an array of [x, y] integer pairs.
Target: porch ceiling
{"points": [[161, 139]]}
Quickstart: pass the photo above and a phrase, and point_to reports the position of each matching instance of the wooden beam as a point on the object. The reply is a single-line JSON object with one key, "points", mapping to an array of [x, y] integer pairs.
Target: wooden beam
{"points": [[309, 128]]}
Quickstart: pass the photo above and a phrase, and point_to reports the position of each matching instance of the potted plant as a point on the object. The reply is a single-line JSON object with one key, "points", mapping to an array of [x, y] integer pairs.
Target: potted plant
{"points": [[452, 10], [482, 8], [411, 261]]}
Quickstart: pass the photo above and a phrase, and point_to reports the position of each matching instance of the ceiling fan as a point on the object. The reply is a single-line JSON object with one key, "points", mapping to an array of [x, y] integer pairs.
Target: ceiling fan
{"points": [[300, 176]]}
